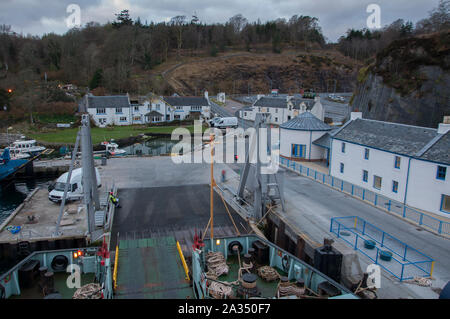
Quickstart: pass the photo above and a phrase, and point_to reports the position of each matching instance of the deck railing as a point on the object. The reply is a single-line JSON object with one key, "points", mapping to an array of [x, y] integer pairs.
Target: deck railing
{"points": [[405, 262], [380, 201]]}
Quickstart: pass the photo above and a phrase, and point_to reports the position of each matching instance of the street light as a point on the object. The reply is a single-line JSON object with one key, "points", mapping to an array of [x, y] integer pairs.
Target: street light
{"points": [[10, 90]]}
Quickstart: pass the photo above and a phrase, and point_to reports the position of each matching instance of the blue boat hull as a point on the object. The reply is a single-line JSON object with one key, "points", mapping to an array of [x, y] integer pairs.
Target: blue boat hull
{"points": [[11, 167]]}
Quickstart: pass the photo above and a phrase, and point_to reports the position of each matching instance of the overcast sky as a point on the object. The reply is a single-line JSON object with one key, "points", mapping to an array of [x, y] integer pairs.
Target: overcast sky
{"points": [[38, 17]]}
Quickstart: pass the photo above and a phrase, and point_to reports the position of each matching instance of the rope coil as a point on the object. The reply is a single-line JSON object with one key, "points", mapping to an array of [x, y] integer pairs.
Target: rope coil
{"points": [[268, 273], [217, 265], [89, 291]]}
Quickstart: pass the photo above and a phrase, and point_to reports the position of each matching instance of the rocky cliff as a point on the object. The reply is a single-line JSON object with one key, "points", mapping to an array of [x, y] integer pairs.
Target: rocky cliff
{"points": [[409, 82]]}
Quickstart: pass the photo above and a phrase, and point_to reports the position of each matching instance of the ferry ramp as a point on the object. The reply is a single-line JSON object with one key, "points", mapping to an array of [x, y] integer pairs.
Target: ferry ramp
{"points": [[151, 268]]}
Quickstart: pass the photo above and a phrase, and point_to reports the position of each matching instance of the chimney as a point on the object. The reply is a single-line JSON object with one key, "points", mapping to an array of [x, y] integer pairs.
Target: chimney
{"points": [[355, 115], [444, 127]]}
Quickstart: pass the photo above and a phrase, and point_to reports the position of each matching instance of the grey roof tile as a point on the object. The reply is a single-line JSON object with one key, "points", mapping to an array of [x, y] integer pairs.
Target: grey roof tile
{"points": [[112, 101], [186, 100], [439, 151], [306, 121], [392, 137]]}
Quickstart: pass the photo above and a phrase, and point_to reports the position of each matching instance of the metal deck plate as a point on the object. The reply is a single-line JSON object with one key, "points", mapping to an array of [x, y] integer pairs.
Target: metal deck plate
{"points": [[151, 269]]}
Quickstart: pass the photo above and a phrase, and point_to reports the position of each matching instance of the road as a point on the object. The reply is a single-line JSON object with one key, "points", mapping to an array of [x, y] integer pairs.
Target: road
{"points": [[224, 112]]}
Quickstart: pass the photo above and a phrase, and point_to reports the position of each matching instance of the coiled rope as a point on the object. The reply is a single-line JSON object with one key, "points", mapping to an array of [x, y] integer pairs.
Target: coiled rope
{"points": [[217, 265], [89, 291], [268, 273]]}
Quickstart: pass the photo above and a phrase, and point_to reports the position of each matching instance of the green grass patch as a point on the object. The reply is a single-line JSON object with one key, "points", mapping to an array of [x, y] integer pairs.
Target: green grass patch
{"points": [[62, 136]]}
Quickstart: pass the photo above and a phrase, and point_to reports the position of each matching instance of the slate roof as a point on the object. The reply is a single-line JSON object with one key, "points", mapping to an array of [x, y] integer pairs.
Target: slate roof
{"points": [[439, 151], [325, 139], [153, 113], [306, 121], [112, 101], [282, 102], [186, 100], [392, 137]]}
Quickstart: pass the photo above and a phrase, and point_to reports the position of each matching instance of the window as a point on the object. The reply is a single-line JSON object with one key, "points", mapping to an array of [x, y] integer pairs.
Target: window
{"points": [[377, 182], [149, 107], [118, 110], [276, 110], [366, 153], [123, 119], [298, 151], [176, 117], [157, 106], [343, 148], [394, 186], [179, 107], [276, 119], [102, 121], [101, 111], [441, 172], [365, 176], [74, 187], [397, 162], [289, 117], [342, 168], [445, 203], [136, 108], [137, 118], [245, 113]]}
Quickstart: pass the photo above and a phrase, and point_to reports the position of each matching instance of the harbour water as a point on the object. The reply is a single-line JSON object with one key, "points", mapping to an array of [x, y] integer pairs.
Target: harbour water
{"points": [[154, 147], [13, 193]]}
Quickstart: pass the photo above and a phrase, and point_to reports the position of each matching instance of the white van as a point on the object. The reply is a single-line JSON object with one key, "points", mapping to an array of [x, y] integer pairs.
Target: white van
{"points": [[214, 121], [75, 191], [226, 122]]}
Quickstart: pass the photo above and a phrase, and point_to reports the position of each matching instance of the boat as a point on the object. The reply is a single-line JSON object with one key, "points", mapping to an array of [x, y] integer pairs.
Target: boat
{"points": [[26, 147], [9, 165], [112, 149]]}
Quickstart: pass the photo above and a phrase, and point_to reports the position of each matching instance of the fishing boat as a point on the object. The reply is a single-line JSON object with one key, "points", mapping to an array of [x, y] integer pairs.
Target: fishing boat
{"points": [[26, 147], [112, 149]]}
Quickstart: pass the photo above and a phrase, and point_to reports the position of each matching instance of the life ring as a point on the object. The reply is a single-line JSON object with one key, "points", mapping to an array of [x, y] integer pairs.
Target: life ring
{"points": [[7, 279]]}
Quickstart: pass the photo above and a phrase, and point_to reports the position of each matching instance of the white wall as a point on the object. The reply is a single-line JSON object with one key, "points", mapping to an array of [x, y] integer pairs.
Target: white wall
{"points": [[380, 163], [289, 137], [111, 117], [424, 189]]}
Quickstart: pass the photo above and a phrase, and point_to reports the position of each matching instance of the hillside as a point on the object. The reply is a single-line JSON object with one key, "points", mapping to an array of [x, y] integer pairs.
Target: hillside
{"points": [[244, 72], [408, 83]]}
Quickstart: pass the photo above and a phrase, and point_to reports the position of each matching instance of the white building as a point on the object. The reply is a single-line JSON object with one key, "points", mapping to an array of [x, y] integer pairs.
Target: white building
{"points": [[406, 163], [188, 107], [282, 109], [297, 137], [108, 110], [121, 110]]}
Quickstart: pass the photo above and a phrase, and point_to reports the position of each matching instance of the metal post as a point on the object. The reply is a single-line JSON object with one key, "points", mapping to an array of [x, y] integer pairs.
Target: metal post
{"points": [[364, 227], [375, 201], [382, 240], [364, 194], [339, 229], [421, 219], [356, 242], [389, 206], [440, 227], [404, 255], [66, 187]]}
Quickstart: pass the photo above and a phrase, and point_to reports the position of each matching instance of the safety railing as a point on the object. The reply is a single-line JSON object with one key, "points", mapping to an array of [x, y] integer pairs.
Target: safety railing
{"points": [[391, 254], [380, 201]]}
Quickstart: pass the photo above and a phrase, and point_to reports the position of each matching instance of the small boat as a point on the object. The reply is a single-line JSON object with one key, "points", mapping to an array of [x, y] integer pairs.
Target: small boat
{"points": [[26, 147], [113, 149]]}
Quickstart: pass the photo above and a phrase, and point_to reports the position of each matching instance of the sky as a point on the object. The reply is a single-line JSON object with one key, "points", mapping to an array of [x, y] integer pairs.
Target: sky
{"points": [[37, 17]]}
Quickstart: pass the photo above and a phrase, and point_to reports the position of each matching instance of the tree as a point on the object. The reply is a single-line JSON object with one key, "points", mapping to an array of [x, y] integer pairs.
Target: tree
{"points": [[123, 18], [96, 79], [178, 23]]}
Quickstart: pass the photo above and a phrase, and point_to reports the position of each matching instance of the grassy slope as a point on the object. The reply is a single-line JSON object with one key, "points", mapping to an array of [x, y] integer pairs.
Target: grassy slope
{"points": [[101, 134]]}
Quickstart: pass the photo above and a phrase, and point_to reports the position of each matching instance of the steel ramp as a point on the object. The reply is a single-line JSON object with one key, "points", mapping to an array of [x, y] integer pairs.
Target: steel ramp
{"points": [[151, 268]]}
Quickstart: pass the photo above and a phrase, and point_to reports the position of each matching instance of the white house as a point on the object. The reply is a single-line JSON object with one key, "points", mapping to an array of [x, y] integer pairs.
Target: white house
{"points": [[403, 162], [282, 109], [188, 107], [121, 110], [297, 137], [108, 110]]}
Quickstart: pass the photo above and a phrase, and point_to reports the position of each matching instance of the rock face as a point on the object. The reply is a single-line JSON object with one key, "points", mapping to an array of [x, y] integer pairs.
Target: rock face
{"points": [[409, 83]]}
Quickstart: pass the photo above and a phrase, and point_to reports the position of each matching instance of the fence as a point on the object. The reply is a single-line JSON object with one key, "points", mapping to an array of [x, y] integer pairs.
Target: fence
{"points": [[405, 263], [380, 201]]}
